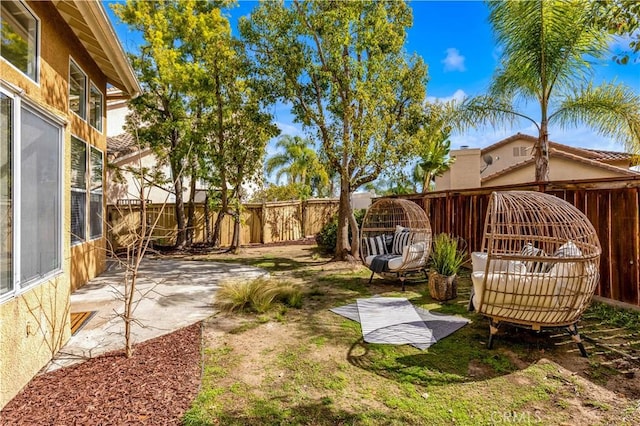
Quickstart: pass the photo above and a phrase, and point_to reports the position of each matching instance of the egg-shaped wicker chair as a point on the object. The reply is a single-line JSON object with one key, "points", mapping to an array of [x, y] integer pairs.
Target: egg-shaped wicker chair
{"points": [[395, 238], [539, 263]]}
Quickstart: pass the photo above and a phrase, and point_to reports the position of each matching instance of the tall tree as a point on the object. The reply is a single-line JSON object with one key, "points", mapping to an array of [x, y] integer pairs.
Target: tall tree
{"points": [[433, 162], [300, 163], [343, 67], [234, 122], [165, 66], [548, 48]]}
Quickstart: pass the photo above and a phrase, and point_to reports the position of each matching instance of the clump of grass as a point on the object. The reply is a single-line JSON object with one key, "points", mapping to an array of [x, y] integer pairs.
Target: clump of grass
{"points": [[258, 295]]}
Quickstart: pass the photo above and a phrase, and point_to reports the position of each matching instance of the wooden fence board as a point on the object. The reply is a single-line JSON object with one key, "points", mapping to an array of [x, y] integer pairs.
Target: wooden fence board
{"points": [[612, 206], [260, 223]]}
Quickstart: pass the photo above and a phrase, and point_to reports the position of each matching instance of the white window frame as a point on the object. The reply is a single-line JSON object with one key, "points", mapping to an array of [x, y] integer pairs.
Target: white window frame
{"points": [[38, 48], [100, 127], [19, 102], [86, 199], [89, 192], [86, 90]]}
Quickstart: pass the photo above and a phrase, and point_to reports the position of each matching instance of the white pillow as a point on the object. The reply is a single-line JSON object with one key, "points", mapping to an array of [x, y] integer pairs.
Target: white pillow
{"points": [[568, 249], [516, 267]]}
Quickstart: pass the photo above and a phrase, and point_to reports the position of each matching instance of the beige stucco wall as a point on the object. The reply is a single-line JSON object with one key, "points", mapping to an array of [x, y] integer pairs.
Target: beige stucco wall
{"points": [[503, 156], [35, 323], [559, 169], [463, 171]]}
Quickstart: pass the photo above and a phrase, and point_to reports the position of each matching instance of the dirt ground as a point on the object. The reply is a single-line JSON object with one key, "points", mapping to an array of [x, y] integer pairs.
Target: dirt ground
{"points": [[258, 356]]}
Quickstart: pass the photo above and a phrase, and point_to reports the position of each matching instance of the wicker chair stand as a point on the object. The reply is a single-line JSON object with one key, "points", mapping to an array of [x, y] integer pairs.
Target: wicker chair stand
{"points": [[538, 267], [395, 238]]}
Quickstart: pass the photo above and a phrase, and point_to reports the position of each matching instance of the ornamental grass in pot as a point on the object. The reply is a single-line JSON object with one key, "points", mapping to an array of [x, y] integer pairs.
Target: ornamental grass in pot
{"points": [[447, 257]]}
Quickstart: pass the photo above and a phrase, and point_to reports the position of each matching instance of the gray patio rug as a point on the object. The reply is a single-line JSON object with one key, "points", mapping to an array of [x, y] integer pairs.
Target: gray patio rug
{"points": [[394, 320]]}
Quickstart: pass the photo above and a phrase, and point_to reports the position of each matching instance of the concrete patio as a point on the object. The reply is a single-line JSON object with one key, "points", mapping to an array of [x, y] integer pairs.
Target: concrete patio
{"points": [[171, 294]]}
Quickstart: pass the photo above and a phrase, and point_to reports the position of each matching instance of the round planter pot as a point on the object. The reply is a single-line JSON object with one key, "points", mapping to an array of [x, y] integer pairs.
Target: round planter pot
{"points": [[442, 287]]}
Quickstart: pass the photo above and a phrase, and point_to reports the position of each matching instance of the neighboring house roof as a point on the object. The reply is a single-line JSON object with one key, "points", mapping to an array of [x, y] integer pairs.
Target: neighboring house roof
{"points": [[554, 152], [89, 21], [120, 145], [592, 154]]}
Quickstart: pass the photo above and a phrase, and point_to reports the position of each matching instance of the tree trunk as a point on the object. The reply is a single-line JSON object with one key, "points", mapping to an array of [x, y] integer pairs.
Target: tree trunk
{"points": [[542, 154], [224, 209], [355, 235], [343, 248], [191, 207], [235, 240], [207, 228], [181, 236]]}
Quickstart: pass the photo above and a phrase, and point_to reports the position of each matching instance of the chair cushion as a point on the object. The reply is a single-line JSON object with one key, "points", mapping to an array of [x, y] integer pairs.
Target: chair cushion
{"points": [[400, 240], [529, 250], [376, 245], [413, 256]]}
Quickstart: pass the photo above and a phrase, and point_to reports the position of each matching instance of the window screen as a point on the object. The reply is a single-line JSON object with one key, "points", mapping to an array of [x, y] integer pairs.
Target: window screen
{"points": [[95, 204], [6, 231], [40, 213], [18, 44], [77, 90]]}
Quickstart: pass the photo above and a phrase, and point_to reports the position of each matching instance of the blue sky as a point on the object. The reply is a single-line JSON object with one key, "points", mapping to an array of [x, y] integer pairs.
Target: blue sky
{"points": [[456, 42]]}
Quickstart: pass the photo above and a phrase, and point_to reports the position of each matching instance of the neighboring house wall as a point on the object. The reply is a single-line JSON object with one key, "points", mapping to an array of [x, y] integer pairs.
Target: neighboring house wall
{"points": [[510, 161], [126, 185], [560, 169], [40, 266]]}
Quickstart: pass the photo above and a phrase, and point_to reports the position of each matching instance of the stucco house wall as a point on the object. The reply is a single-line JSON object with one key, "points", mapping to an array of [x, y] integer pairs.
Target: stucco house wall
{"points": [[34, 321], [510, 161]]}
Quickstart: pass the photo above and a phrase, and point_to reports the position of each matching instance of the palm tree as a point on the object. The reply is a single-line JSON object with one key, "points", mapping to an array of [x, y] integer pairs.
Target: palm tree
{"points": [[434, 162], [548, 47], [299, 162]]}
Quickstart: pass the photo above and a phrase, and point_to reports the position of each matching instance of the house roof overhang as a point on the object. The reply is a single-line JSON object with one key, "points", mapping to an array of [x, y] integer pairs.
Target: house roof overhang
{"points": [[89, 21]]}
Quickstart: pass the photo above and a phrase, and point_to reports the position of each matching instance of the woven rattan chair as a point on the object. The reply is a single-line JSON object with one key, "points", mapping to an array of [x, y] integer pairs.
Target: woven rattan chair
{"points": [[395, 238], [539, 263]]}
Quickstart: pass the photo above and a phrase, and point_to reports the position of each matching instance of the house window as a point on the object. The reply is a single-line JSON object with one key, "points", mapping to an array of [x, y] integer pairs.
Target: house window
{"points": [[19, 40], [520, 151], [95, 203], [78, 190], [86, 181], [77, 90], [95, 107], [30, 195], [6, 236]]}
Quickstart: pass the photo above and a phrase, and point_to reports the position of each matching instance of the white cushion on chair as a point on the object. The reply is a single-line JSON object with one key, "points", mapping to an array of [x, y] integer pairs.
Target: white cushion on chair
{"points": [[413, 257]]}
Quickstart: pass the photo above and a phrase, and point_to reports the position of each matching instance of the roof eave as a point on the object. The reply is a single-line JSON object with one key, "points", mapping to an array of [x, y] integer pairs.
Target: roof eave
{"points": [[96, 18]]}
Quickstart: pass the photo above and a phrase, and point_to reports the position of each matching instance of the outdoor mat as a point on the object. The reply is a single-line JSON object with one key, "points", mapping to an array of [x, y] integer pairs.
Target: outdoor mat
{"points": [[79, 320], [390, 320]]}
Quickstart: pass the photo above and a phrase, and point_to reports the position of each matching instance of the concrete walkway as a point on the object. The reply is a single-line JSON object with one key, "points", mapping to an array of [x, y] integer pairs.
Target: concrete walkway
{"points": [[171, 294]]}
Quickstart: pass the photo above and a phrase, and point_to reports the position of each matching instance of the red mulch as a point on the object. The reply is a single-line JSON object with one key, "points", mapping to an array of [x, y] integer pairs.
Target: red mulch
{"points": [[154, 387]]}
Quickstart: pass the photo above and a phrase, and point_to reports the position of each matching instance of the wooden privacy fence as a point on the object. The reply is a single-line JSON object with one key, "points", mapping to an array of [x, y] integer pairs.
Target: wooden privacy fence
{"points": [[260, 223], [612, 206]]}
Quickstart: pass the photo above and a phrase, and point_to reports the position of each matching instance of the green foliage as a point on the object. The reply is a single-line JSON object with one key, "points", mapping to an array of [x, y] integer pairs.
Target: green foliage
{"points": [[257, 296], [620, 17], [328, 235], [290, 191], [300, 163], [446, 257], [343, 67]]}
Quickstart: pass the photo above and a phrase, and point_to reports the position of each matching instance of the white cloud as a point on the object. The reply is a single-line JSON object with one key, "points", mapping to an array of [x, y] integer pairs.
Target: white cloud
{"points": [[458, 96], [454, 61], [289, 129]]}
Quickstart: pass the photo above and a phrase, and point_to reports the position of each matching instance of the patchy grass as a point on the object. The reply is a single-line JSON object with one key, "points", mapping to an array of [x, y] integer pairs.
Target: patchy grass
{"points": [[258, 295], [310, 366]]}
